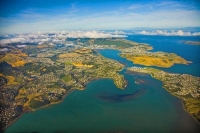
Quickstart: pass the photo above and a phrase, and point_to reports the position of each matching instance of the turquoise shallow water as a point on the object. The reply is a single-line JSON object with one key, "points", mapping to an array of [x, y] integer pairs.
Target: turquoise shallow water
{"points": [[82, 111]]}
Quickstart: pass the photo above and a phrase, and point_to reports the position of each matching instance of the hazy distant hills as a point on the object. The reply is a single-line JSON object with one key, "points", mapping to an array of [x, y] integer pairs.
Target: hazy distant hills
{"points": [[192, 29]]}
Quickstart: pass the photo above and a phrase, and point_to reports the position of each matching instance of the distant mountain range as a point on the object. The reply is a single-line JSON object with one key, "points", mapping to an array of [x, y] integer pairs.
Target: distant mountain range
{"points": [[192, 29]]}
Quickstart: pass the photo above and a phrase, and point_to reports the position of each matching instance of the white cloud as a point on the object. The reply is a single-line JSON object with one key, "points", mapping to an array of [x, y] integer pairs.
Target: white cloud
{"points": [[4, 49], [118, 32], [161, 4], [12, 40], [21, 46], [57, 36], [135, 6], [141, 6], [168, 33]]}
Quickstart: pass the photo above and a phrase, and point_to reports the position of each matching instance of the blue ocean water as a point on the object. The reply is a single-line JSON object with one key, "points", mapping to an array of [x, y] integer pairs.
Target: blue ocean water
{"points": [[82, 111]]}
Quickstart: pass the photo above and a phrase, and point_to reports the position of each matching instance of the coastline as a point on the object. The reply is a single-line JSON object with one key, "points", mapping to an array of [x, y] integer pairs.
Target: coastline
{"points": [[55, 102], [183, 106], [94, 79], [70, 90], [168, 66], [180, 99], [188, 62], [3, 129], [32, 110], [189, 113], [110, 58]]}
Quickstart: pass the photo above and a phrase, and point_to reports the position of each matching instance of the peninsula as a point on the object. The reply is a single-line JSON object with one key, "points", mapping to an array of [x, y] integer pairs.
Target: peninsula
{"points": [[139, 53]]}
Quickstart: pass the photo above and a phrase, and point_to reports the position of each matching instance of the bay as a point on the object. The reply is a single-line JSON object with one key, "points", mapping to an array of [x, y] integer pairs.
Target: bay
{"points": [[83, 111]]}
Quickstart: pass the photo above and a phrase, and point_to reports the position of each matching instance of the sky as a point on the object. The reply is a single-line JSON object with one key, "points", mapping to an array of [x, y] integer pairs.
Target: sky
{"points": [[25, 16]]}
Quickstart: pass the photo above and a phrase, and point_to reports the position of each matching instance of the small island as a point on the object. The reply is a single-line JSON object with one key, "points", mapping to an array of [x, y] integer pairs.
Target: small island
{"points": [[183, 86]]}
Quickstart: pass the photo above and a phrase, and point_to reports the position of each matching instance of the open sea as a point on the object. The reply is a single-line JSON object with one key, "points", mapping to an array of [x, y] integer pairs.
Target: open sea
{"points": [[103, 108]]}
